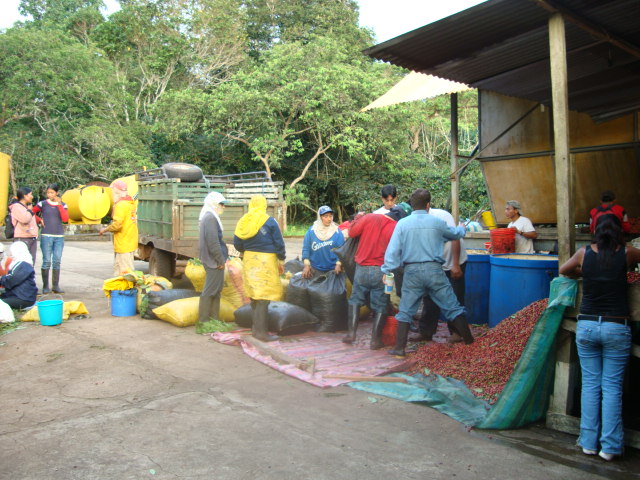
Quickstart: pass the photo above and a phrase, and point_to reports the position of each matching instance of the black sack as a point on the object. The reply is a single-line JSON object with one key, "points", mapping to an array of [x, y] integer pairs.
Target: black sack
{"points": [[284, 318], [298, 292], [347, 255], [328, 297], [294, 266], [159, 298]]}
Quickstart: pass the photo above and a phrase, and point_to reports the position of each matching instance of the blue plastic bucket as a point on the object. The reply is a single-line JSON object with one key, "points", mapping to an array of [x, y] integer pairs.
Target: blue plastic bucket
{"points": [[123, 302], [477, 275], [50, 312], [517, 281]]}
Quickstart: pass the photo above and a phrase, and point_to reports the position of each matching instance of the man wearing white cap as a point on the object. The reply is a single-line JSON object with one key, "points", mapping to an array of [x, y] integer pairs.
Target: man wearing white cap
{"points": [[213, 255], [124, 226], [525, 233]]}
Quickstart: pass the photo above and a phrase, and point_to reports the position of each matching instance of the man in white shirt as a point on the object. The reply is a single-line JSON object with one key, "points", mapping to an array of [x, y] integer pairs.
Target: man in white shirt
{"points": [[455, 258], [389, 196], [525, 233]]}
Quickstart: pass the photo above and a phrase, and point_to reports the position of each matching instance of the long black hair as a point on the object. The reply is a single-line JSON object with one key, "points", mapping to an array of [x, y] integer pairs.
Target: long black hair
{"points": [[23, 192], [608, 237]]}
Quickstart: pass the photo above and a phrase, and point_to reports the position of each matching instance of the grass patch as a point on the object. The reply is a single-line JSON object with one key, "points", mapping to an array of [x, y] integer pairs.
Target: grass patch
{"points": [[9, 327], [295, 230], [214, 325]]}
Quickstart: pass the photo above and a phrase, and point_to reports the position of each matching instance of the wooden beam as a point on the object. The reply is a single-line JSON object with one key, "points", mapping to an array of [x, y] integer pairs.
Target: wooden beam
{"points": [[593, 28], [455, 177], [564, 164]]}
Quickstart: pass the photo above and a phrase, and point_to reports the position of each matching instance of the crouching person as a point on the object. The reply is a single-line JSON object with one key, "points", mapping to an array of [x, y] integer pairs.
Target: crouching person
{"points": [[417, 244]]}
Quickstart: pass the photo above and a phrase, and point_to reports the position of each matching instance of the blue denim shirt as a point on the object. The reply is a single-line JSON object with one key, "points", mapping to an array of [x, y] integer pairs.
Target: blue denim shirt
{"points": [[420, 237]]}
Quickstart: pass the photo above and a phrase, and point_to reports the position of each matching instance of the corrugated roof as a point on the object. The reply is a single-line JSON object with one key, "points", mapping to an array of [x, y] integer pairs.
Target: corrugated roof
{"points": [[503, 46]]}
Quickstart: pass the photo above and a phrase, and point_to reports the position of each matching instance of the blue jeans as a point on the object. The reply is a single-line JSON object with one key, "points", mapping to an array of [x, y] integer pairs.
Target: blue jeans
{"points": [[603, 348], [368, 279], [422, 279], [51, 251]]}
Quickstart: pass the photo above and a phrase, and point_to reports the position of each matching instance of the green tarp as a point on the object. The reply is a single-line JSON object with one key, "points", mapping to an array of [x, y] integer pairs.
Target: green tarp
{"points": [[525, 397]]}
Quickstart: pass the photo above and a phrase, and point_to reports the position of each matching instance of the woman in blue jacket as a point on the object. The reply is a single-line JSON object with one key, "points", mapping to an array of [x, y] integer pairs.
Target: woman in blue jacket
{"points": [[323, 236], [20, 282]]}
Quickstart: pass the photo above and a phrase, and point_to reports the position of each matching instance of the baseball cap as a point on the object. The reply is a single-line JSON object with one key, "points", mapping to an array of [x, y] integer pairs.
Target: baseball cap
{"points": [[324, 209], [406, 208], [119, 185]]}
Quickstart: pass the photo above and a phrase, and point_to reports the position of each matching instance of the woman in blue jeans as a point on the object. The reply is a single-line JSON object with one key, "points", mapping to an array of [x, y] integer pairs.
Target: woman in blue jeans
{"points": [[53, 213], [603, 335]]}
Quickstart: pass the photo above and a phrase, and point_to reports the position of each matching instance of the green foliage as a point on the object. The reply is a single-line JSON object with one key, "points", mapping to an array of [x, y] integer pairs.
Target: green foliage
{"points": [[231, 86]]}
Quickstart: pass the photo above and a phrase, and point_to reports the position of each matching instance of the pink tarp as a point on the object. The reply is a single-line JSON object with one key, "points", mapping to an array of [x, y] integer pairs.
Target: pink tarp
{"points": [[332, 357]]}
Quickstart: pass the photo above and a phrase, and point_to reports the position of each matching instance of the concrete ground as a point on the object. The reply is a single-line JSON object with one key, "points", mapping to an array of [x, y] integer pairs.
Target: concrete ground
{"points": [[126, 398]]}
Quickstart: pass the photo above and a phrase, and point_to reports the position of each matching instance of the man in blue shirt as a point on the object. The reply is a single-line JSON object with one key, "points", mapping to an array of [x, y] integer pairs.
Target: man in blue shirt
{"points": [[417, 244]]}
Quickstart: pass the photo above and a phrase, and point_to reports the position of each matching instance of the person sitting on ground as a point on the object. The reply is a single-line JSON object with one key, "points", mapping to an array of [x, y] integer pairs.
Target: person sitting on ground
{"points": [[20, 282], [323, 236], [608, 206], [417, 244], [259, 239], [375, 232], [389, 196], [525, 233], [603, 335]]}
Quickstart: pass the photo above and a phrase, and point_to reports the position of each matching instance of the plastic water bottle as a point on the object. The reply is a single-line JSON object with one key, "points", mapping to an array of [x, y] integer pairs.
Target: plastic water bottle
{"points": [[388, 283]]}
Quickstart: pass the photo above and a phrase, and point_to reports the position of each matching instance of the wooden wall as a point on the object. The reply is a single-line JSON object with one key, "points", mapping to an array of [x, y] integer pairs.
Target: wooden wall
{"points": [[530, 178]]}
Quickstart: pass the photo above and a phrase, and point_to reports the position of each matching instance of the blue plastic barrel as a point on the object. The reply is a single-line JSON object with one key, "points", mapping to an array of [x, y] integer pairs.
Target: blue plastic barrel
{"points": [[476, 288], [517, 281], [123, 302]]}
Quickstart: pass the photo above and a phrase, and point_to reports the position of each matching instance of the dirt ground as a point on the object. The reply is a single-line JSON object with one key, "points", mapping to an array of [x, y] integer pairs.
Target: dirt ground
{"points": [[125, 398]]}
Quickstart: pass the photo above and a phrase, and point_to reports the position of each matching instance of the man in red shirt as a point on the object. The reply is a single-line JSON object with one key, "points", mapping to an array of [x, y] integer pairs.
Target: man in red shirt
{"points": [[374, 231], [609, 206]]}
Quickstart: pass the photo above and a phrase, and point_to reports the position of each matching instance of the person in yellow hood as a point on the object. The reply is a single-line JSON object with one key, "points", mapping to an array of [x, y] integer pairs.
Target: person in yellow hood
{"points": [[258, 238], [124, 226]]}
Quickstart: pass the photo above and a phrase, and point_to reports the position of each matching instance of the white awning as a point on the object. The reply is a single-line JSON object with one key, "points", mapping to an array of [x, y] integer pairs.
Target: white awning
{"points": [[416, 86]]}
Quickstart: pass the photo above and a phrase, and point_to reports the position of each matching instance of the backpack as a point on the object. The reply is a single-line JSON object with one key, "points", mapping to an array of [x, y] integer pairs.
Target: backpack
{"points": [[600, 211], [9, 229]]}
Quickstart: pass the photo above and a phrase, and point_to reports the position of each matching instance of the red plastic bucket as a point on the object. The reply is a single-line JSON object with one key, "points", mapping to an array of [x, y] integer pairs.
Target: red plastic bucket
{"points": [[503, 240], [389, 332]]}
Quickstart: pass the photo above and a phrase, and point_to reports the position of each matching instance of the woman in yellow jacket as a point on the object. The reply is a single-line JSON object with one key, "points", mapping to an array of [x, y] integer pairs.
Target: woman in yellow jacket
{"points": [[258, 238], [124, 226]]}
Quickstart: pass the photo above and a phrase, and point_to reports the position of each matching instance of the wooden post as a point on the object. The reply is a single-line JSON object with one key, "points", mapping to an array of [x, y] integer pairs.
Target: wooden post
{"points": [[455, 207], [564, 168]]}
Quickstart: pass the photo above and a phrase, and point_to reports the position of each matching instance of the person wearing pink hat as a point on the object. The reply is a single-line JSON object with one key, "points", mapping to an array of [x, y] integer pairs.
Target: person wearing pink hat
{"points": [[124, 227]]}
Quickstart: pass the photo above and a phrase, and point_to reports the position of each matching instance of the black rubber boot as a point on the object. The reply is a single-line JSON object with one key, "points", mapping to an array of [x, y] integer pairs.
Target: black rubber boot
{"points": [[461, 327], [401, 340], [353, 317], [379, 319], [55, 278], [205, 308], [45, 281], [260, 329]]}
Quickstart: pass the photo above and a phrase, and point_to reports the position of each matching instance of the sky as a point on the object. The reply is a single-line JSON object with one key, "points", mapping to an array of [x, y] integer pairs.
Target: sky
{"points": [[387, 18]]}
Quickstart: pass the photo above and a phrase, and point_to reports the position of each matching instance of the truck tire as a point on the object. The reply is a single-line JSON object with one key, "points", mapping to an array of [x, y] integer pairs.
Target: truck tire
{"points": [[186, 172], [162, 263]]}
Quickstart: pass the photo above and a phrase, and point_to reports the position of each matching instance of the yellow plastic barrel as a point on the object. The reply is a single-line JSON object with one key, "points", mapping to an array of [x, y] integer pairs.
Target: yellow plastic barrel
{"points": [[488, 220], [4, 185], [87, 204]]}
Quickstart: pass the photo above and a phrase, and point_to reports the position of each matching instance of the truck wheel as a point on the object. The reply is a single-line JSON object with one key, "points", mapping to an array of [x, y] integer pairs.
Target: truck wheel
{"points": [[162, 263], [186, 172]]}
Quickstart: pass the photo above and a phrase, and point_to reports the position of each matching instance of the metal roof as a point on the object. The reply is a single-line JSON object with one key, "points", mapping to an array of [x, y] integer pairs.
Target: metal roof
{"points": [[503, 46]]}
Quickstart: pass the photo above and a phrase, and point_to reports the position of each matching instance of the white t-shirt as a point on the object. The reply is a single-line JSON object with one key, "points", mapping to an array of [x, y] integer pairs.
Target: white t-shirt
{"points": [[447, 254], [382, 211], [523, 245]]}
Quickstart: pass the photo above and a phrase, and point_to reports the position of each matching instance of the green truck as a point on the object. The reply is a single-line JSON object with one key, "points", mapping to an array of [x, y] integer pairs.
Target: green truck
{"points": [[169, 202]]}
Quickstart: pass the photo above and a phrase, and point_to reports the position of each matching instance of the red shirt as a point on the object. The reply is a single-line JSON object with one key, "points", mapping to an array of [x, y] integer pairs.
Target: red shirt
{"points": [[614, 209], [375, 232]]}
